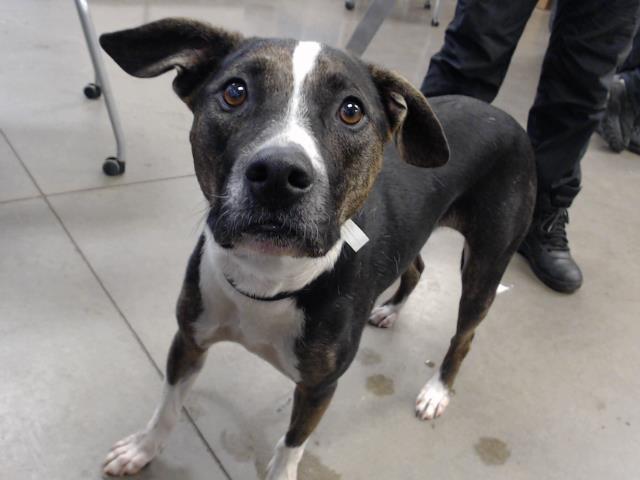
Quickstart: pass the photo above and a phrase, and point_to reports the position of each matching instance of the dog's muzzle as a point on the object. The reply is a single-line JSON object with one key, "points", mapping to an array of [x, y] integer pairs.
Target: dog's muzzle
{"points": [[281, 208]]}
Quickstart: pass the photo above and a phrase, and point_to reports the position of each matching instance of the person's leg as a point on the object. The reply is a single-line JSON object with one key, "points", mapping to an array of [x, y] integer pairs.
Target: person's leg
{"points": [[632, 61], [587, 41], [623, 105], [629, 72], [478, 46], [631, 79]]}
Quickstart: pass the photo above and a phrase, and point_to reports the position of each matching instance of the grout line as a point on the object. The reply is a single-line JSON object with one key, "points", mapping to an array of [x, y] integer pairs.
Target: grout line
{"points": [[134, 333], [112, 300], [80, 190], [22, 164], [122, 185], [21, 199]]}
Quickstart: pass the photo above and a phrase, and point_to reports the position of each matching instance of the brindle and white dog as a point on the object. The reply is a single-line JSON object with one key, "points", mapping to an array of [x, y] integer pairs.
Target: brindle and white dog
{"points": [[288, 140]]}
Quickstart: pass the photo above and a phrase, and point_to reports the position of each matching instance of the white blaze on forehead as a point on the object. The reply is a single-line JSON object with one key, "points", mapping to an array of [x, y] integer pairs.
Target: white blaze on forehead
{"points": [[304, 59], [296, 128]]}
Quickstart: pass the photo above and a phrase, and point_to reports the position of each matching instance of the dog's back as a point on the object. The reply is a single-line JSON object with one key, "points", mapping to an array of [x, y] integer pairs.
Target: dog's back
{"points": [[491, 170]]}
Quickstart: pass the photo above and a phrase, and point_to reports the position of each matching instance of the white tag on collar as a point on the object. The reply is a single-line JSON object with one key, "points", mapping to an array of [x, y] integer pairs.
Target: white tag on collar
{"points": [[353, 235]]}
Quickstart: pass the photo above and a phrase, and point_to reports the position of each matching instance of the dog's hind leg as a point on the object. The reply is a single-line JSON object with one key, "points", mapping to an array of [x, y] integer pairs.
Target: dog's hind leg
{"points": [[130, 455], [386, 314], [309, 404], [481, 273]]}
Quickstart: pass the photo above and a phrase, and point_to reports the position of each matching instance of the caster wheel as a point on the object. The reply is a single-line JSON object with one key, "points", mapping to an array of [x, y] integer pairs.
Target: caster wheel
{"points": [[434, 23], [427, 5], [113, 167], [350, 4], [92, 91]]}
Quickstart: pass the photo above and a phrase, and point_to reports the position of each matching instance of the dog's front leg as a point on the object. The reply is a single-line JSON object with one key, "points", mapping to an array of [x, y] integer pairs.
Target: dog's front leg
{"points": [[309, 404], [130, 455]]}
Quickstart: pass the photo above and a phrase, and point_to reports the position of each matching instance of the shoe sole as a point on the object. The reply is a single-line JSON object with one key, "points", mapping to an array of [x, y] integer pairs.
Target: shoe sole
{"points": [[550, 282], [634, 148]]}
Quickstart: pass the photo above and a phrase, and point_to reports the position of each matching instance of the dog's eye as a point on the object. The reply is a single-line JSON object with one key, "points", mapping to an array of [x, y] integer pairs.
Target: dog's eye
{"points": [[235, 93], [351, 111]]}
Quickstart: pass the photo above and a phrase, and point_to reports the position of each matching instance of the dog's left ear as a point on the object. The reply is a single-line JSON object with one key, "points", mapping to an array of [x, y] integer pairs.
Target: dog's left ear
{"points": [[194, 49], [413, 125]]}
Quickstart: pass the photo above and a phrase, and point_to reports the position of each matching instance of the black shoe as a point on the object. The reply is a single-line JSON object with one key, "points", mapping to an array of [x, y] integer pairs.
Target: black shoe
{"points": [[546, 248], [634, 141], [619, 118]]}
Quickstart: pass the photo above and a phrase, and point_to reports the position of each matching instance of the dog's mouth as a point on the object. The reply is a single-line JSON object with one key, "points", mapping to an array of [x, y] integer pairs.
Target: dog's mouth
{"points": [[272, 238], [268, 235], [271, 229]]}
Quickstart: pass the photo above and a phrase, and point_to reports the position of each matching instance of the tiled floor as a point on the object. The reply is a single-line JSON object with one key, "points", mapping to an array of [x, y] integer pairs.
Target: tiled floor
{"points": [[90, 268]]}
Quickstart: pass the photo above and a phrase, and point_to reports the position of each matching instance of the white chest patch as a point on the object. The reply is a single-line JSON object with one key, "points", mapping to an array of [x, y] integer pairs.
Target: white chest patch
{"points": [[268, 275], [268, 329], [295, 127]]}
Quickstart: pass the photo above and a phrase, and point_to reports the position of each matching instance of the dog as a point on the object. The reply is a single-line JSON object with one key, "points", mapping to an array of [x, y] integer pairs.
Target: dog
{"points": [[313, 212]]}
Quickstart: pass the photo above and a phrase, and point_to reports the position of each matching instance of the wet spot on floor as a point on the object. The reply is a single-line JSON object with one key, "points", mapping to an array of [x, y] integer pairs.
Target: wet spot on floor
{"points": [[492, 451], [239, 448], [600, 405], [380, 385], [312, 468], [368, 356]]}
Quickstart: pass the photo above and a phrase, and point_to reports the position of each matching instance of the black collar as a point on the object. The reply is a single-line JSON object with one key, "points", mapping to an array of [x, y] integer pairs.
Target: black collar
{"points": [[279, 296]]}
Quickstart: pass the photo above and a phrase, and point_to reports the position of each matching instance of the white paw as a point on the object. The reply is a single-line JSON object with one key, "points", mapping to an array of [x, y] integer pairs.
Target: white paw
{"points": [[284, 464], [274, 472], [433, 399], [130, 455], [384, 316]]}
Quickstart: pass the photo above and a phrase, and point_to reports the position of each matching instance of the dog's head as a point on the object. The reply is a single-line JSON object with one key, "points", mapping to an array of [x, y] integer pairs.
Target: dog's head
{"points": [[287, 136]]}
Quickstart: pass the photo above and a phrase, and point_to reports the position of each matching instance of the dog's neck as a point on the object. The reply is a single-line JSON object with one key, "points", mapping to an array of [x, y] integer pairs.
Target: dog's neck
{"points": [[275, 298], [265, 276]]}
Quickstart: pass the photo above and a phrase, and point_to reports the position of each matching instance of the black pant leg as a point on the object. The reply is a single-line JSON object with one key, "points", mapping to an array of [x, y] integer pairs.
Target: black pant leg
{"points": [[587, 40], [632, 82], [632, 60], [478, 46], [630, 70]]}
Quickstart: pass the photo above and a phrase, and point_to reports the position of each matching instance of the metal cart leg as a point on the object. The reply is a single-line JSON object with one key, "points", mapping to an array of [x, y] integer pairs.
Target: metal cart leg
{"points": [[435, 14], [435, 20], [375, 15], [112, 165]]}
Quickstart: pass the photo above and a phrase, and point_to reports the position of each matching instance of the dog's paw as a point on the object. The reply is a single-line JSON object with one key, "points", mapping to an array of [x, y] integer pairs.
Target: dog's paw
{"points": [[384, 316], [284, 463], [130, 455], [274, 472], [433, 399]]}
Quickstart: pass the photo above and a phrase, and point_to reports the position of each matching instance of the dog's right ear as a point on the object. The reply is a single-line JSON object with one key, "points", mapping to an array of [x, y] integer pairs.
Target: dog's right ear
{"points": [[194, 49], [413, 125]]}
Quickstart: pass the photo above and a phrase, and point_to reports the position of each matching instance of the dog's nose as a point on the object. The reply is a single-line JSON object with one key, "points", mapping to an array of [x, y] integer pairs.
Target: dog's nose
{"points": [[278, 177]]}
